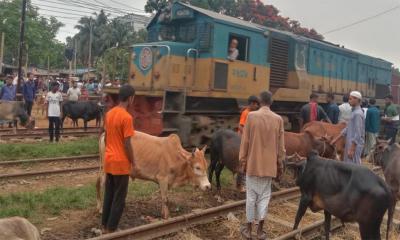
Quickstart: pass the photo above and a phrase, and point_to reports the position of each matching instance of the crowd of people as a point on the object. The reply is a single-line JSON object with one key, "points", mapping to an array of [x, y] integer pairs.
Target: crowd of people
{"points": [[262, 146], [48, 94]]}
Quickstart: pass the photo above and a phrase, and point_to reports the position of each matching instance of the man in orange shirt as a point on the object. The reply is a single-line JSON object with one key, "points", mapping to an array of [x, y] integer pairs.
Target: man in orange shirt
{"points": [[253, 105], [118, 158]]}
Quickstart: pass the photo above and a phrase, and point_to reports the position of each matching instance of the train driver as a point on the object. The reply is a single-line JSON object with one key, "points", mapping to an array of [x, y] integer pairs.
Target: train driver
{"points": [[233, 52]]}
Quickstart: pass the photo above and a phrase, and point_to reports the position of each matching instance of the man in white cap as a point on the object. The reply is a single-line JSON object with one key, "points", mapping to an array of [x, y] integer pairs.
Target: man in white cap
{"points": [[355, 131]]}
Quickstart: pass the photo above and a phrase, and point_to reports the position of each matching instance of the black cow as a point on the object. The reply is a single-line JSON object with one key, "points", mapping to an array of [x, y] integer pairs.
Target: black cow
{"points": [[87, 110], [388, 157], [350, 192], [14, 111], [224, 151]]}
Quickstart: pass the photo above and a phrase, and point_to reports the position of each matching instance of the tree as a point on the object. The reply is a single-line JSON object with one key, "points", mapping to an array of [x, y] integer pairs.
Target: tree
{"points": [[40, 34], [248, 10]]}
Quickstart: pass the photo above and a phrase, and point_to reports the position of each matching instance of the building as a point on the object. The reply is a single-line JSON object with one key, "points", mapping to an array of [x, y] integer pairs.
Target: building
{"points": [[136, 21]]}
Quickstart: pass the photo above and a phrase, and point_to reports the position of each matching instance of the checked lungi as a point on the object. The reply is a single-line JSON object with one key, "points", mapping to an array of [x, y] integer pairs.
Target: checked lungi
{"points": [[258, 194]]}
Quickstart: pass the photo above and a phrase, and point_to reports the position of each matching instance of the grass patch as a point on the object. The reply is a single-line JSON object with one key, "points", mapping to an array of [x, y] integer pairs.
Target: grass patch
{"points": [[15, 151], [50, 202]]}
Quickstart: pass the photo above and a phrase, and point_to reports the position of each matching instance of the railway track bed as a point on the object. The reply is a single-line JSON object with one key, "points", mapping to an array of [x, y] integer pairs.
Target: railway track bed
{"points": [[45, 135], [23, 175], [4, 131]]}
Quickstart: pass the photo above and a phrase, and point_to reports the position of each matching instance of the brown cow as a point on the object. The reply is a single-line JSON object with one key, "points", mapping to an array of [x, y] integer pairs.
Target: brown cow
{"points": [[303, 143], [321, 129], [225, 145], [18, 228], [14, 111], [388, 157], [164, 161]]}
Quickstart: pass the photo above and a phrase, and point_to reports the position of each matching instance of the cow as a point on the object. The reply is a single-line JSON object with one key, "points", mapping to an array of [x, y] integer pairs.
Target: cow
{"points": [[225, 146], [303, 143], [224, 151], [87, 110], [164, 161], [14, 111], [350, 192], [321, 129], [388, 157], [18, 228]]}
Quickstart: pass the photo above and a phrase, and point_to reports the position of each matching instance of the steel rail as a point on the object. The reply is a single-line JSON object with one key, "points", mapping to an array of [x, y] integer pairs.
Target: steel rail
{"points": [[47, 172], [310, 231], [30, 135], [43, 160], [164, 227], [23, 130]]}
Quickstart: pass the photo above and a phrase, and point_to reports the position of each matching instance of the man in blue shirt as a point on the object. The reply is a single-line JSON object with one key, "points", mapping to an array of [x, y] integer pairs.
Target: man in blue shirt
{"points": [[332, 110], [372, 124], [8, 91], [29, 92]]}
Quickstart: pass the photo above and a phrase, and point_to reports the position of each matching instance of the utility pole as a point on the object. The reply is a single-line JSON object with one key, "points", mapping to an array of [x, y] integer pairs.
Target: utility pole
{"points": [[21, 45], [75, 49], [48, 68], [1, 52], [90, 44], [2, 47]]}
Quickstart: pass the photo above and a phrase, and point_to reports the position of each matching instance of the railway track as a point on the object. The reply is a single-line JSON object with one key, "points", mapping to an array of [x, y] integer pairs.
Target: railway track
{"points": [[172, 225], [24, 130], [4, 166], [38, 135], [176, 224]]}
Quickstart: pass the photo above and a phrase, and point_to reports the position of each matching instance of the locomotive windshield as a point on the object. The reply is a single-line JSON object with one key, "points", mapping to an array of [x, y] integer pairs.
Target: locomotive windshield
{"points": [[172, 32]]}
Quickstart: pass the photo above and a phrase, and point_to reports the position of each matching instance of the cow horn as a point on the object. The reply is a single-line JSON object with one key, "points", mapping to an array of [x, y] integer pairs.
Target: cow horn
{"points": [[204, 148], [193, 151]]}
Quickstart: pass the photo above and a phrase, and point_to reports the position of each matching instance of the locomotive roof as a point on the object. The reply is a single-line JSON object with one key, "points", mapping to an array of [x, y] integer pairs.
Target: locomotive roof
{"points": [[246, 24]]}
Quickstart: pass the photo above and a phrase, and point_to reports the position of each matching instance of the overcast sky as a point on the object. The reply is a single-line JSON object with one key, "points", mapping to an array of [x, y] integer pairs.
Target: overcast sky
{"points": [[378, 37]]}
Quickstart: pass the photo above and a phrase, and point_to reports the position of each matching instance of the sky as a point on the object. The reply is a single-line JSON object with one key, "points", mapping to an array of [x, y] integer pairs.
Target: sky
{"points": [[379, 36]]}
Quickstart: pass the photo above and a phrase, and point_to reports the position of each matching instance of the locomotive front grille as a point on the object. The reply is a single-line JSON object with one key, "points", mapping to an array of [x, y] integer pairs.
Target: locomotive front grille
{"points": [[279, 59]]}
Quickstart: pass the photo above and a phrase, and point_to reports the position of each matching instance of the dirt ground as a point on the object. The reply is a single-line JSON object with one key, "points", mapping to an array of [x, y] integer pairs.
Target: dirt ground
{"points": [[80, 224]]}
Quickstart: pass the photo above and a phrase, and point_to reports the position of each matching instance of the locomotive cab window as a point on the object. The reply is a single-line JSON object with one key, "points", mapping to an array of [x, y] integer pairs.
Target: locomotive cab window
{"points": [[238, 48]]}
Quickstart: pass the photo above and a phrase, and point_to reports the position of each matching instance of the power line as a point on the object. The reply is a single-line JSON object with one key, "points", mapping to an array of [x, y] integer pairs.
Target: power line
{"points": [[69, 13], [77, 4], [126, 5], [41, 6], [362, 20]]}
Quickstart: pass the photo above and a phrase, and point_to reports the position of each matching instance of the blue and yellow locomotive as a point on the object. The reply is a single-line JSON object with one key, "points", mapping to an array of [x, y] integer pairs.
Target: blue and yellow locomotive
{"points": [[186, 84]]}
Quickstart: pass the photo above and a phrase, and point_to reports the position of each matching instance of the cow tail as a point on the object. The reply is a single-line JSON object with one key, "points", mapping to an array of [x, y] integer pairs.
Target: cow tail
{"points": [[391, 209]]}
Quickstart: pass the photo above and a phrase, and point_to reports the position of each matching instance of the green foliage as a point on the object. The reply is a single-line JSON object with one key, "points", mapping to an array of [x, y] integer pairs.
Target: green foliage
{"points": [[113, 63], [11, 151], [40, 35], [110, 40], [249, 10], [50, 202]]}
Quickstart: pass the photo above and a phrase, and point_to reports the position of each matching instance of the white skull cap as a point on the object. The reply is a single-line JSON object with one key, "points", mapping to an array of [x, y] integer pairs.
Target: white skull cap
{"points": [[356, 94]]}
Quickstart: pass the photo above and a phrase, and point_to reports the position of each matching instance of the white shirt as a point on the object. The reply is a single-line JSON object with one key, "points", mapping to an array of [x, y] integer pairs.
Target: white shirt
{"points": [[73, 94], [233, 53], [345, 112], [54, 100]]}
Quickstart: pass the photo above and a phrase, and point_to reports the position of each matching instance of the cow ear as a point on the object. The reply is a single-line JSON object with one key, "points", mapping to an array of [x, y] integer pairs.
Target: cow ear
{"points": [[204, 149]]}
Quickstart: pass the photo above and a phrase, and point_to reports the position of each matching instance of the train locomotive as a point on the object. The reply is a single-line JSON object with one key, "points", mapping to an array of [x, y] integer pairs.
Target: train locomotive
{"points": [[186, 85]]}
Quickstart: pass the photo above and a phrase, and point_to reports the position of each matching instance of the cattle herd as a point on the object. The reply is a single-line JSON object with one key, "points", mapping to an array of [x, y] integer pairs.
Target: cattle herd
{"points": [[349, 192]]}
